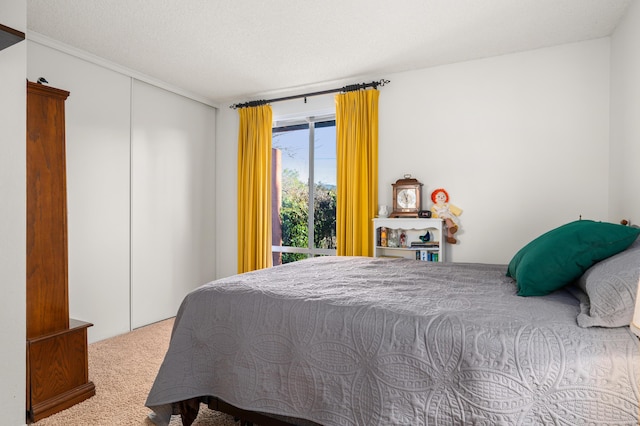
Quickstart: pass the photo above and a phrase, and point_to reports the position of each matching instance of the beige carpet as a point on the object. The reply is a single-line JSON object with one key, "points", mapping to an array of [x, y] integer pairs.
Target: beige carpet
{"points": [[123, 369]]}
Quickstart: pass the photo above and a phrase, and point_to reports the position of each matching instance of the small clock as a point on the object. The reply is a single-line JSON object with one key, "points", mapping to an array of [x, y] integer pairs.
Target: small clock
{"points": [[407, 197]]}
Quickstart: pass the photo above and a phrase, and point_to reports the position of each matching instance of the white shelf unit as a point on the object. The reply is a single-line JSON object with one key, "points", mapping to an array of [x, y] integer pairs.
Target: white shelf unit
{"points": [[413, 229]]}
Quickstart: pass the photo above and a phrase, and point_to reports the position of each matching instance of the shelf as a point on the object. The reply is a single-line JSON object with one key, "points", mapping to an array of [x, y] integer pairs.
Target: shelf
{"points": [[413, 229], [9, 36], [407, 223], [433, 248]]}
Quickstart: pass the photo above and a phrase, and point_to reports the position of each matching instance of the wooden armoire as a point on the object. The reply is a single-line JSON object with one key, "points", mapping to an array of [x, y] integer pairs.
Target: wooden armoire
{"points": [[57, 357]]}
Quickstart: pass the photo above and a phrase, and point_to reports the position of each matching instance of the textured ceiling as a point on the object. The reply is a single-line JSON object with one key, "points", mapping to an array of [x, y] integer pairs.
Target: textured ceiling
{"points": [[233, 50]]}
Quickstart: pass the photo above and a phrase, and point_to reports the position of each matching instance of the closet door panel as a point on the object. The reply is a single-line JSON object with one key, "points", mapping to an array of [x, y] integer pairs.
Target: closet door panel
{"points": [[98, 158], [172, 201]]}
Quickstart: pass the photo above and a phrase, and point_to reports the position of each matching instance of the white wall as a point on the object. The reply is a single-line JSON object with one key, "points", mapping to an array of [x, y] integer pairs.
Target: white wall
{"points": [[625, 117], [13, 106], [520, 141], [226, 192], [106, 285], [172, 216]]}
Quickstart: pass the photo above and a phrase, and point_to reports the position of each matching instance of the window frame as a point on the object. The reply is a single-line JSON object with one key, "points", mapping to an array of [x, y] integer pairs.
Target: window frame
{"points": [[309, 123]]}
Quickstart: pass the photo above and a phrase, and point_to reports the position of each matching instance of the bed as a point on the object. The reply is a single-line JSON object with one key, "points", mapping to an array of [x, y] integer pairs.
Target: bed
{"points": [[379, 341]]}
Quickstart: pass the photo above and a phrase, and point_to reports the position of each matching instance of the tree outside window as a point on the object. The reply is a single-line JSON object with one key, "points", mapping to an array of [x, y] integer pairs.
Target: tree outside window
{"points": [[304, 214]]}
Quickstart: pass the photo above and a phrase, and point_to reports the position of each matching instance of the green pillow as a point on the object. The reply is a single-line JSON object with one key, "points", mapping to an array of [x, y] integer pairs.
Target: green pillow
{"points": [[561, 255]]}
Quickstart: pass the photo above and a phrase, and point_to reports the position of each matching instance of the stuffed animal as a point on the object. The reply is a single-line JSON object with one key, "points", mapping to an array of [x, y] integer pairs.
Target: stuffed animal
{"points": [[447, 212]]}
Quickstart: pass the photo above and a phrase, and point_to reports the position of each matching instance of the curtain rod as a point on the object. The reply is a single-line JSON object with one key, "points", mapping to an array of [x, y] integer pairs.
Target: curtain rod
{"points": [[349, 88]]}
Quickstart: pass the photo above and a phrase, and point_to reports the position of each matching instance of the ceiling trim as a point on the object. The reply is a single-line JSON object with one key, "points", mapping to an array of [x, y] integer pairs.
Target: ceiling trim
{"points": [[81, 54]]}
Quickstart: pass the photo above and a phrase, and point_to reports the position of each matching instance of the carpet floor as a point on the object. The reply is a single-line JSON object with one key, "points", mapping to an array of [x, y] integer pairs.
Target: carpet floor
{"points": [[123, 369]]}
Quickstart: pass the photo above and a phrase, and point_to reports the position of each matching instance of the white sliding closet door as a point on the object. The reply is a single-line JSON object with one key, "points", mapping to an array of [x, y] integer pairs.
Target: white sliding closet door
{"points": [[172, 201], [98, 123]]}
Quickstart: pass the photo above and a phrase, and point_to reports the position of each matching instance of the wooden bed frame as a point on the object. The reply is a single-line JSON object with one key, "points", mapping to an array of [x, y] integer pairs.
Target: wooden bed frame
{"points": [[189, 409]]}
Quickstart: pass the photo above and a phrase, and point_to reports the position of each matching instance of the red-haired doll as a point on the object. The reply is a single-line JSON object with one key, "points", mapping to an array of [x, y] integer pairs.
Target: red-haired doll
{"points": [[448, 212]]}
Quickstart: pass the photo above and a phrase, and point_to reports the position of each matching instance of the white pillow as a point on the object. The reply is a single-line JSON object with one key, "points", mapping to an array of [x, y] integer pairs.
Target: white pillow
{"points": [[611, 286]]}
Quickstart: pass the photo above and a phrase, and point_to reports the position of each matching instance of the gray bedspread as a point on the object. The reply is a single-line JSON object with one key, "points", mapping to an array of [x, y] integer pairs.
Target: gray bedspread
{"points": [[374, 341]]}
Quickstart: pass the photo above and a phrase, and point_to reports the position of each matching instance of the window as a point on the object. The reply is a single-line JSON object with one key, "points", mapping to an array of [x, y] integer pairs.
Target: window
{"points": [[304, 189]]}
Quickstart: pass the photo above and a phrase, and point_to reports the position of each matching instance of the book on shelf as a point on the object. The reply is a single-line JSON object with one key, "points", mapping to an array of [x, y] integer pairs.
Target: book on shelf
{"points": [[426, 255], [425, 244], [382, 236]]}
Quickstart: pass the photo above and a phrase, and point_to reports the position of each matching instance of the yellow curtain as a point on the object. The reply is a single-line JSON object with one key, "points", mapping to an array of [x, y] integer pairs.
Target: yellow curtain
{"points": [[357, 162], [254, 188]]}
